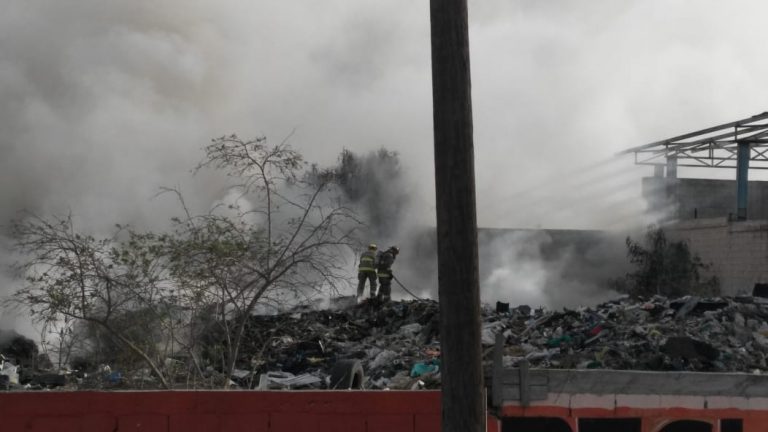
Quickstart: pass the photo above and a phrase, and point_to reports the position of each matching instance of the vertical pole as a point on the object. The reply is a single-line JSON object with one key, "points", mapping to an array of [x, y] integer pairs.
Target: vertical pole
{"points": [[462, 379], [672, 166], [670, 187], [742, 174], [525, 383], [497, 393]]}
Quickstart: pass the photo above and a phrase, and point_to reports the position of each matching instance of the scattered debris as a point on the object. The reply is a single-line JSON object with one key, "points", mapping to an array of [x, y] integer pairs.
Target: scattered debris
{"points": [[386, 340], [9, 371], [347, 374], [687, 334], [396, 345], [422, 368], [287, 380]]}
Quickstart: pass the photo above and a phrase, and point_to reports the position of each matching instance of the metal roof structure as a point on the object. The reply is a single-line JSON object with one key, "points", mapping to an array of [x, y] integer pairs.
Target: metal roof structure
{"points": [[714, 147]]}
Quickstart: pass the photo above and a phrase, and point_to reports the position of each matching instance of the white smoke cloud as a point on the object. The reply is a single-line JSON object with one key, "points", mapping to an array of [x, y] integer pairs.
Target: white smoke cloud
{"points": [[549, 268], [103, 102]]}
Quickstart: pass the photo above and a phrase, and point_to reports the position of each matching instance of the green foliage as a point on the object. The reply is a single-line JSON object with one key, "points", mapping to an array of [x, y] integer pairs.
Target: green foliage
{"points": [[665, 267], [79, 276], [112, 284], [283, 236], [143, 296], [141, 326]]}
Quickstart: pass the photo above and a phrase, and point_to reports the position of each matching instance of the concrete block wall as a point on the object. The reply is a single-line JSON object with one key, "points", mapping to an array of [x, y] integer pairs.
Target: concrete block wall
{"points": [[738, 251], [689, 198]]}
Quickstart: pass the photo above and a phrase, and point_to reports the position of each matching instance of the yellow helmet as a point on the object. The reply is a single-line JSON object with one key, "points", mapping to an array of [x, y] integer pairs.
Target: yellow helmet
{"points": [[372, 246]]}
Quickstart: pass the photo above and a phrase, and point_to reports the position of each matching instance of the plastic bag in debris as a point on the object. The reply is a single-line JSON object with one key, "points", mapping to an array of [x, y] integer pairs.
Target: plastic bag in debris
{"points": [[287, 380], [422, 368], [114, 377], [143, 375], [10, 371], [411, 330], [383, 358], [240, 373], [381, 383], [560, 340], [489, 332]]}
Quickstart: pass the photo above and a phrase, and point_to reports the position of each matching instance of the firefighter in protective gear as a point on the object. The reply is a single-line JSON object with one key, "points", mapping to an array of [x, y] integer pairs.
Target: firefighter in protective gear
{"points": [[384, 271], [367, 271]]}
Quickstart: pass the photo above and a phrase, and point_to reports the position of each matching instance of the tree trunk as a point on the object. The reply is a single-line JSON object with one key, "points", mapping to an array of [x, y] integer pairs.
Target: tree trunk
{"points": [[153, 367]]}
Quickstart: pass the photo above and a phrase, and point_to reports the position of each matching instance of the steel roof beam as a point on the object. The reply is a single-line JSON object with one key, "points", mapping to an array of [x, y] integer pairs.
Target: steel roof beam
{"points": [[743, 122]]}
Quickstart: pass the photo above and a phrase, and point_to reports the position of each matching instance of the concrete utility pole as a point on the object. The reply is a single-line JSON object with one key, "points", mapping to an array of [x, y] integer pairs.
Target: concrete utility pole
{"points": [[463, 400]]}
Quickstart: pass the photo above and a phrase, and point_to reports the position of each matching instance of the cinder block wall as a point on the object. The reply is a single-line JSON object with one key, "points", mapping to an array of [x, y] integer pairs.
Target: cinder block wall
{"points": [[738, 251], [689, 198]]}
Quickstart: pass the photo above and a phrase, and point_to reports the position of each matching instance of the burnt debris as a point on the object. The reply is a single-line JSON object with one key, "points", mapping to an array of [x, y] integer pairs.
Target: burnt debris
{"points": [[396, 345]]}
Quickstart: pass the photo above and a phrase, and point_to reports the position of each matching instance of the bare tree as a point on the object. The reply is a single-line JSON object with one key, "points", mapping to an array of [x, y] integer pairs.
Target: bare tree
{"points": [[281, 236], [73, 276], [59, 338]]}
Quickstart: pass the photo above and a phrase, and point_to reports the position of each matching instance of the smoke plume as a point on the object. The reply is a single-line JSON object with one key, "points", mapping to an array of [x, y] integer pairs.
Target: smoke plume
{"points": [[103, 102]]}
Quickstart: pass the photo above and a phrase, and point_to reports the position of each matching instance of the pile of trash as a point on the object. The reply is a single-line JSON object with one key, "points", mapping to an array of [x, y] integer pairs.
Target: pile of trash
{"points": [[398, 346], [22, 366], [660, 334], [9, 374]]}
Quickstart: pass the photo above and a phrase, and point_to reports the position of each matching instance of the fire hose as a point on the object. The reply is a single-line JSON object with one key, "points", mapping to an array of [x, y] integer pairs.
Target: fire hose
{"points": [[406, 289]]}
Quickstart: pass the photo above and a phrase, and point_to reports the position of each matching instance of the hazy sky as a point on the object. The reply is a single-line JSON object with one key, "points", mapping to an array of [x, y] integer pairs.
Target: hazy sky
{"points": [[102, 102]]}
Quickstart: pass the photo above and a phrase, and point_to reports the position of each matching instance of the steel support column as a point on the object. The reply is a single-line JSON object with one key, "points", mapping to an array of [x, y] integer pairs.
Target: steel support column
{"points": [[672, 166], [742, 178], [670, 187]]}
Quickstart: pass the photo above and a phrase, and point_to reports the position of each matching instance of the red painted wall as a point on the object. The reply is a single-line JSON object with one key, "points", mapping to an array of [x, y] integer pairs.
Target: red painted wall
{"points": [[221, 411], [653, 418], [288, 411]]}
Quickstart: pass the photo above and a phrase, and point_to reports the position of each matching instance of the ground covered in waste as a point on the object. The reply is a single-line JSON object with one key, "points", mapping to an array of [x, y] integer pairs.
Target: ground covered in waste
{"points": [[397, 343]]}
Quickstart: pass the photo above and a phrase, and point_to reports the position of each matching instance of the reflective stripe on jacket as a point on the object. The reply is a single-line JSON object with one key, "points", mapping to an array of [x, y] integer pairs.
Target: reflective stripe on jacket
{"points": [[367, 262]]}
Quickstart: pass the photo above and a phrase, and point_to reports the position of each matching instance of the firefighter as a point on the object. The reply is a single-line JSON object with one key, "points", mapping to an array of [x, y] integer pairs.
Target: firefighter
{"points": [[384, 271], [367, 270]]}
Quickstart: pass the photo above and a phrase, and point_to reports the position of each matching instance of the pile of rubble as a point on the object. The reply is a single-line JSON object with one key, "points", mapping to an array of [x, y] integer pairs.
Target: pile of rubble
{"points": [[687, 334], [398, 343], [20, 362]]}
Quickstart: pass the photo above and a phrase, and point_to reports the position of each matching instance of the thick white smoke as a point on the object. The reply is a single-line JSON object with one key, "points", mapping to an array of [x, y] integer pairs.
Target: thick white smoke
{"points": [[103, 102]]}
